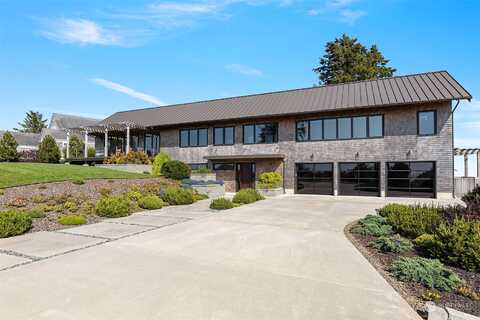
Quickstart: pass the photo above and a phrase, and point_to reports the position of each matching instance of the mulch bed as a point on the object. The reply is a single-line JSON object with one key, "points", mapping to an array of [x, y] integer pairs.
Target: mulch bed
{"points": [[413, 292], [89, 191]]}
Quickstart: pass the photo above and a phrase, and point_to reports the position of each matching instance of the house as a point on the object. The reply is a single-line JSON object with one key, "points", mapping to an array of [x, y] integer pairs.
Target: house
{"points": [[388, 137], [26, 141]]}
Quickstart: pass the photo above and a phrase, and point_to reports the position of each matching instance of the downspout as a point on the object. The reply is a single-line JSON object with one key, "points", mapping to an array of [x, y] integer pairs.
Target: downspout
{"points": [[453, 147]]}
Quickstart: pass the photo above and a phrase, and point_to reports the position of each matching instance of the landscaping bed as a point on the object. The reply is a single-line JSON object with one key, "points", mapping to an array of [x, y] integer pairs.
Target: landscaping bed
{"points": [[426, 253]]}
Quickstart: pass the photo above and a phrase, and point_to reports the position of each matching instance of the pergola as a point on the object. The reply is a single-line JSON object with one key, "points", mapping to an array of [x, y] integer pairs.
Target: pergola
{"points": [[465, 153], [104, 128]]}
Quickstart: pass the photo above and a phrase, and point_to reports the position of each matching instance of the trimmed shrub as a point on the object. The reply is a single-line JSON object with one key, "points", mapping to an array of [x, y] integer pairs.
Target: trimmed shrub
{"points": [[8, 148], [395, 244], [269, 180], [429, 272], [372, 225], [71, 220], [424, 242], [48, 150], [221, 204], [175, 169], [246, 196], [113, 207], [412, 221], [36, 213], [70, 206], [158, 162], [134, 195], [178, 196], [458, 244], [91, 152], [14, 222], [151, 202]]}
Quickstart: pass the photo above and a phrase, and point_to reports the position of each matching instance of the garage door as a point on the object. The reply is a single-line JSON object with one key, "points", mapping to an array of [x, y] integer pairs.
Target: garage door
{"points": [[411, 179], [315, 178], [359, 179]]}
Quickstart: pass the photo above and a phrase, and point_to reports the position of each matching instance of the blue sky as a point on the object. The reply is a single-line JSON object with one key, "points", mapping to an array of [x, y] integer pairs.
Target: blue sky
{"points": [[97, 57]]}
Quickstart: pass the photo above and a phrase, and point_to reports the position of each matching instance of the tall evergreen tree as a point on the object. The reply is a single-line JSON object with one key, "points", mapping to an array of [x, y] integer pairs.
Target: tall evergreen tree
{"points": [[76, 147], [48, 150], [33, 122], [347, 60], [8, 148]]}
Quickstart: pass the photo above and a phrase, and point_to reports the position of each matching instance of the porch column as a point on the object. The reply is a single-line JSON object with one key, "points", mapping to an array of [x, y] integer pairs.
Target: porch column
{"points": [[478, 164], [86, 144], [127, 149], [465, 164], [67, 155], [105, 151]]}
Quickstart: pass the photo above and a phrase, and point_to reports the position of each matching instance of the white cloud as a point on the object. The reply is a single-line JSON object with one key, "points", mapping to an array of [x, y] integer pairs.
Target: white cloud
{"points": [[313, 12], [340, 3], [244, 70], [79, 31], [126, 90], [351, 16], [184, 8]]}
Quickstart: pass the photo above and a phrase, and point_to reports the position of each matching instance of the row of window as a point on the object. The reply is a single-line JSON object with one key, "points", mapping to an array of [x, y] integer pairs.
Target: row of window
{"points": [[359, 127]]}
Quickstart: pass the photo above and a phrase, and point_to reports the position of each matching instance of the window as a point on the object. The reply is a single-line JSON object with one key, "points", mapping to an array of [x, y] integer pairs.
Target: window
{"points": [[330, 129], [223, 167], [260, 133], [344, 128], [196, 166], [411, 179], [360, 127], [426, 123], [223, 136], [340, 128], [194, 137], [152, 144]]}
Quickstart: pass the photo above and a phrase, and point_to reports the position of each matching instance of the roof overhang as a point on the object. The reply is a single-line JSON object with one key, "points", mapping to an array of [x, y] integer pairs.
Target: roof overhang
{"points": [[463, 152], [245, 157]]}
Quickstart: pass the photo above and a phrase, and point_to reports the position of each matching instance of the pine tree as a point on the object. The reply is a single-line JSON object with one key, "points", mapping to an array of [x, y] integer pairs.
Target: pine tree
{"points": [[33, 123], [48, 150], [76, 147], [8, 148]]}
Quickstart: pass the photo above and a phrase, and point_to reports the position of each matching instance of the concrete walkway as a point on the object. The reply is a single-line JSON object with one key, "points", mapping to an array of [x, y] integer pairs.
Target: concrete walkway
{"points": [[283, 258]]}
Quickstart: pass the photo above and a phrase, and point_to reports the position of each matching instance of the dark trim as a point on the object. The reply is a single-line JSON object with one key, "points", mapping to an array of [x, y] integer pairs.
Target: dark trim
{"points": [[434, 123], [255, 132], [313, 180], [223, 129], [409, 169], [188, 130]]}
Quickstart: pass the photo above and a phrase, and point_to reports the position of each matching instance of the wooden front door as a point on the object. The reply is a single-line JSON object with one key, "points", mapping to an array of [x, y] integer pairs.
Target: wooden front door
{"points": [[245, 175]]}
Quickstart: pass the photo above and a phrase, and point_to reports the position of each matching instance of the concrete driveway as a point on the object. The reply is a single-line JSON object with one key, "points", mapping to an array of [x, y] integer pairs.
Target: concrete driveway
{"points": [[283, 258]]}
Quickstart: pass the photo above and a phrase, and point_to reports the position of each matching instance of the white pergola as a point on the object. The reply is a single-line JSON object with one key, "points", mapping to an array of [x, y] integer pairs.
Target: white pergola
{"points": [[104, 128], [465, 153]]}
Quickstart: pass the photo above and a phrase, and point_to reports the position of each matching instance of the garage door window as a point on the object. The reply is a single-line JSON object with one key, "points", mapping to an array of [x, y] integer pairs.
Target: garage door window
{"points": [[411, 179], [359, 179], [315, 178]]}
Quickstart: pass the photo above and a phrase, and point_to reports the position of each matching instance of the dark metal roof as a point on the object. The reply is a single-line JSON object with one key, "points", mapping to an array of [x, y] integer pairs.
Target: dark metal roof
{"points": [[400, 90]]}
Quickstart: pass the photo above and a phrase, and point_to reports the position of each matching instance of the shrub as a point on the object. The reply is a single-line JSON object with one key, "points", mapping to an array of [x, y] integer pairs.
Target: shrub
{"points": [[78, 181], [70, 220], [424, 241], [39, 198], [105, 192], [412, 220], [470, 212], [70, 206], [76, 147], [17, 202], [428, 272], [221, 204], [151, 202], [13, 223], [199, 196], [158, 162], [28, 155], [87, 208], [2, 192], [431, 296], [152, 188], [472, 196], [8, 148], [113, 207], [269, 180], [36, 213], [458, 244], [395, 244], [469, 293], [246, 196], [48, 150], [202, 170], [133, 157], [134, 195], [91, 152], [178, 196], [372, 225], [175, 169]]}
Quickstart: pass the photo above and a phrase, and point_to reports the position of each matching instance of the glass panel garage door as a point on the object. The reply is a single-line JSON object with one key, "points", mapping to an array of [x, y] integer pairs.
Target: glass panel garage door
{"points": [[359, 179], [315, 178], [411, 179]]}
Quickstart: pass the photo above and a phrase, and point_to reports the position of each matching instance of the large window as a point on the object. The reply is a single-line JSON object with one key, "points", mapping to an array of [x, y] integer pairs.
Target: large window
{"points": [[411, 179], [194, 137], [359, 179], [340, 128], [223, 136], [426, 123], [220, 166], [260, 133]]}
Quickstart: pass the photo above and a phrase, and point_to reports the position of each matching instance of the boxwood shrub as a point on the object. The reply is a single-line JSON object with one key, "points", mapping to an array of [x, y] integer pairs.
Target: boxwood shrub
{"points": [[178, 196], [246, 196], [113, 207], [72, 220], [151, 202], [14, 222], [221, 204], [269, 180], [175, 169]]}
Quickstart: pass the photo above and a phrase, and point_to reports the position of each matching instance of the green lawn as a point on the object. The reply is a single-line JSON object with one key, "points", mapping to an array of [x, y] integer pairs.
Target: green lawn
{"points": [[17, 174]]}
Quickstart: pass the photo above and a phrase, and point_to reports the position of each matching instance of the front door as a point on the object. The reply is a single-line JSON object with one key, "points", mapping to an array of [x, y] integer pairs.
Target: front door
{"points": [[245, 175]]}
